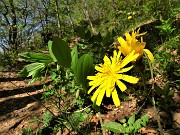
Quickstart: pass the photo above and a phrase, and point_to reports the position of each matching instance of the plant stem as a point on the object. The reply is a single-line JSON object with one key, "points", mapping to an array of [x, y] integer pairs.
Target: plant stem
{"points": [[157, 116], [100, 119], [153, 100]]}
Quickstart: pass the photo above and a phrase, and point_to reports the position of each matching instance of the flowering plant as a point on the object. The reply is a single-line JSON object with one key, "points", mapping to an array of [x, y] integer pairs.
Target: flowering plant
{"points": [[109, 75], [131, 43]]}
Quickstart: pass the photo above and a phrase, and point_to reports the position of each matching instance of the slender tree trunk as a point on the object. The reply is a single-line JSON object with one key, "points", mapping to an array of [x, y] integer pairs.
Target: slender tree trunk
{"points": [[13, 27], [58, 19]]}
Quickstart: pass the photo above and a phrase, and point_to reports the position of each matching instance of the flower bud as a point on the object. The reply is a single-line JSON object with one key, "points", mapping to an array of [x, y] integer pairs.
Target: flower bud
{"points": [[67, 76], [73, 83], [58, 67], [77, 93]]}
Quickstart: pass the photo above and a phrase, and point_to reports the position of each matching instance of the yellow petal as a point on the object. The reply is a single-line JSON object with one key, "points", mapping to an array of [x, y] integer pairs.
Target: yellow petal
{"points": [[100, 97], [130, 79], [107, 60], [115, 98], [93, 98], [149, 54], [92, 88], [91, 77], [130, 57], [124, 50], [122, 42], [121, 85], [108, 92], [99, 68], [96, 81], [109, 82], [128, 37], [125, 69]]}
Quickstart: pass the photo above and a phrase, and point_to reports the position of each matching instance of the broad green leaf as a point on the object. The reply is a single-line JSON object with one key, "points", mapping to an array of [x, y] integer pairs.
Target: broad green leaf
{"points": [[84, 68], [37, 73], [36, 57], [23, 72], [50, 51], [31, 69], [32, 81], [114, 127], [74, 55], [34, 66], [62, 52], [24, 55], [131, 120]]}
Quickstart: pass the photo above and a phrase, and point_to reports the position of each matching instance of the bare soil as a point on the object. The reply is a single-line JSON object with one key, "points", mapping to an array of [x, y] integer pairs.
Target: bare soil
{"points": [[18, 103]]}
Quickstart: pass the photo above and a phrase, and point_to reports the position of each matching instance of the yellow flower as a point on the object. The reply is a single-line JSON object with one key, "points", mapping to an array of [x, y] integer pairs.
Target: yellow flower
{"points": [[131, 43], [129, 17], [109, 75]]}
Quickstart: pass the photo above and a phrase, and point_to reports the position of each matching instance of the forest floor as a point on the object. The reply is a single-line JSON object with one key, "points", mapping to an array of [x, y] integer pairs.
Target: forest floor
{"points": [[17, 103], [18, 106]]}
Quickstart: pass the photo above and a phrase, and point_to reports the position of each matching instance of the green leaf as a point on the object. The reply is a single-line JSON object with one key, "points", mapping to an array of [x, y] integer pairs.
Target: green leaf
{"points": [[23, 73], [77, 118], [171, 94], [158, 90], [53, 75], [36, 57], [74, 55], [62, 52], [130, 129], [131, 120], [50, 51], [88, 34], [32, 81], [144, 120], [114, 127], [123, 121], [47, 118], [137, 125], [166, 88], [84, 68], [107, 40], [80, 31], [35, 119], [31, 69]]}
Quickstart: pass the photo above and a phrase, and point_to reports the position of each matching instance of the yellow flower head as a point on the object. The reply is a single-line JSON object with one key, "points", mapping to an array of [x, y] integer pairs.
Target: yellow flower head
{"points": [[131, 43], [109, 75], [129, 17]]}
